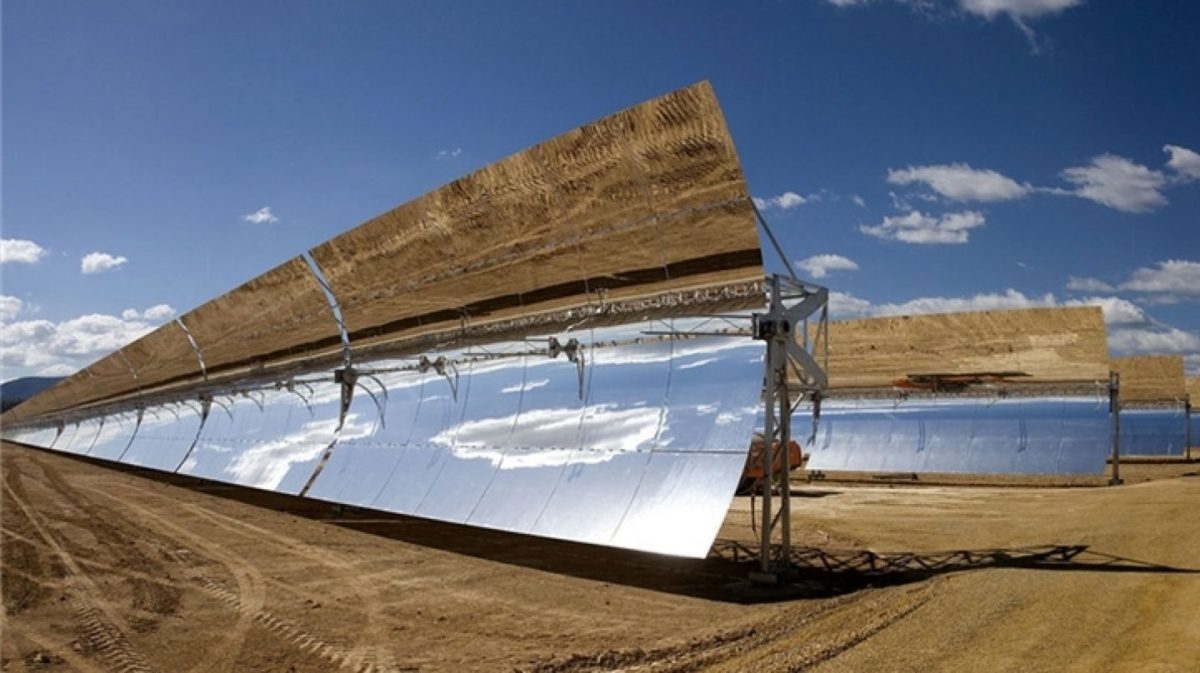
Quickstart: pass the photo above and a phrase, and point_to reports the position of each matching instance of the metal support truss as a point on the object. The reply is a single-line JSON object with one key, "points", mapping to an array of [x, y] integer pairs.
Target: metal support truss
{"points": [[793, 353]]}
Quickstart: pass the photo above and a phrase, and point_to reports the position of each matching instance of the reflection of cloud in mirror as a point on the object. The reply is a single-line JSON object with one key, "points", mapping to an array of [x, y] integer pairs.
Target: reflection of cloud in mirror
{"points": [[531, 385], [516, 459], [698, 363], [266, 464], [548, 436], [682, 349]]}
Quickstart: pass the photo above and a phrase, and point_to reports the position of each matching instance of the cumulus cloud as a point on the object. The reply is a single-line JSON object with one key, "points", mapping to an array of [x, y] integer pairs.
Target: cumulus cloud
{"points": [[10, 306], [156, 313], [919, 228], [99, 262], [1118, 183], [1183, 161], [960, 182], [44, 347], [20, 251], [819, 266], [1130, 329], [1117, 311], [448, 154], [1177, 276], [784, 201], [1168, 340], [1168, 279], [1191, 364], [261, 216]]}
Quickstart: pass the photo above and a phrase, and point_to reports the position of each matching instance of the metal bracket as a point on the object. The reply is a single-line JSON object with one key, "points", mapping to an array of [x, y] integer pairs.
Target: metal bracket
{"points": [[574, 352], [444, 367]]}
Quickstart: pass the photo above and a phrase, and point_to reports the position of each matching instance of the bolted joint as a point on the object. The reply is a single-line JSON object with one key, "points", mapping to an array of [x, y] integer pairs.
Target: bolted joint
{"points": [[345, 376], [765, 327], [570, 349]]}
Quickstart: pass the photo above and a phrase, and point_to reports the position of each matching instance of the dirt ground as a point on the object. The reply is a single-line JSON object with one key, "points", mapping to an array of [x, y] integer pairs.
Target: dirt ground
{"points": [[123, 570]]}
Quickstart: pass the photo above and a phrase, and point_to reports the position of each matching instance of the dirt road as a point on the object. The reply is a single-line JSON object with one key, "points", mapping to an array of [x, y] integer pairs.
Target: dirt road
{"points": [[107, 570]]}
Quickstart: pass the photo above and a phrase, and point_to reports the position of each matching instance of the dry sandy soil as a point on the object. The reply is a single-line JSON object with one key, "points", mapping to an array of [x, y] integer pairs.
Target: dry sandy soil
{"points": [[121, 570]]}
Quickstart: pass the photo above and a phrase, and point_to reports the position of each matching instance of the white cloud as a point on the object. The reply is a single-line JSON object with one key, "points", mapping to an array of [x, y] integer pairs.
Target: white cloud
{"points": [[1118, 183], [917, 227], [1183, 161], [20, 251], [858, 200], [784, 201], [159, 312], [1117, 311], [156, 313], [10, 306], [1173, 275], [44, 347], [261, 216], [448, 154], [1017, 9], [1158, 339], [960, 182], [1131, 330], [1088, 285], [99, 262], [818, 266]]}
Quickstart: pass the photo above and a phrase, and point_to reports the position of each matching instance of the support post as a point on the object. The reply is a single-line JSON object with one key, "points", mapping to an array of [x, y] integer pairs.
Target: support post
{"points": [[1187, 433], [783, 354], [1114, 405], [785, 468], [764, 543]]}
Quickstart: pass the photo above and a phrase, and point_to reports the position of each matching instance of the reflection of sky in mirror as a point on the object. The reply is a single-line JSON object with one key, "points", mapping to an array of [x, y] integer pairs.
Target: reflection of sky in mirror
{"points": [[1014, 436], [265, 464]]}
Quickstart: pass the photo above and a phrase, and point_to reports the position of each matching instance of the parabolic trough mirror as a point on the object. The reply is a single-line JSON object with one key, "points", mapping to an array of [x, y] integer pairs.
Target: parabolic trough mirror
{"points": [[1067, 435], [511, 351]]}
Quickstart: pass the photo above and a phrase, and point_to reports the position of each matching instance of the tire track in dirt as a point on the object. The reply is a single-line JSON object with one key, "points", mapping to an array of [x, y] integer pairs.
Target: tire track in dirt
{"points": [[109, 522], [254, 612], [375, 630], [77, 662], [790, 642], [102, 628], [190, 551]]}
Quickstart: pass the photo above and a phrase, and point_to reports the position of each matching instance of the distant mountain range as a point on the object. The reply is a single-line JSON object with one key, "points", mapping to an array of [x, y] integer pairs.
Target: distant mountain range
{"points": [[17, 391]]}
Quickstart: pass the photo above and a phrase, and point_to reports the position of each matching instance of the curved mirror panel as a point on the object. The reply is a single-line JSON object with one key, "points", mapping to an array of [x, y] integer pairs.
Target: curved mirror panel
{"points": [[626, 403], [114, 436], [277, 438], [362, 460], [531, 443], [1153, 432], [471, 447], [1026, 436], [166, 434]]}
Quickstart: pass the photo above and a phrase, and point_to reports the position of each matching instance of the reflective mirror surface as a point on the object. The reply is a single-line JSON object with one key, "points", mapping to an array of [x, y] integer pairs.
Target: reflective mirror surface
{"points": [[1153, 432], [1007, 436]]}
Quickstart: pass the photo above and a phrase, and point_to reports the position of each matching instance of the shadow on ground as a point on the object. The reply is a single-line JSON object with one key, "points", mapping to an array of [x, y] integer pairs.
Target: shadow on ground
{"points": [[723, 576]]}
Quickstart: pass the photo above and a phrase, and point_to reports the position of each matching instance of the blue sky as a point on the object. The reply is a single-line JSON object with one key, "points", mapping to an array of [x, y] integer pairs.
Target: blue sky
{"points": [[930, 154]]}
